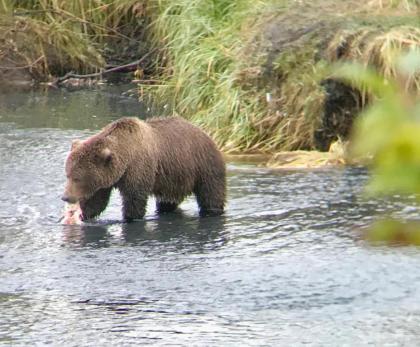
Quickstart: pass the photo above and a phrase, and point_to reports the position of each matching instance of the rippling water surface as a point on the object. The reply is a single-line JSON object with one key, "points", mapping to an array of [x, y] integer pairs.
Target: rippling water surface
{"points": [[283, 266]]}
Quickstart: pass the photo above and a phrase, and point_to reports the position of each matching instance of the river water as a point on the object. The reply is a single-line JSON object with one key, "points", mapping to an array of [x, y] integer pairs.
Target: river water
{"points": [[284, 266]]}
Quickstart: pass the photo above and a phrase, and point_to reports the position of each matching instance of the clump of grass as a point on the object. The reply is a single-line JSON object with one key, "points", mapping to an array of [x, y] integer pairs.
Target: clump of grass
{"points": [[55, 36], [213, 80], [96, 18], [376, 48], [40, 47], [301, 98]]}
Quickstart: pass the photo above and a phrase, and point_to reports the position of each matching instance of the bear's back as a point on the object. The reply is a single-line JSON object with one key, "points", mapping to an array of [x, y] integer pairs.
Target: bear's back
{"points": [[175, 133], [186, 154]]}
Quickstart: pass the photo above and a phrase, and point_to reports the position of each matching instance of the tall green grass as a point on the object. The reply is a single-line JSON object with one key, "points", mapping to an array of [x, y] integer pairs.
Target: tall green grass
{"points": [[203, 56]]}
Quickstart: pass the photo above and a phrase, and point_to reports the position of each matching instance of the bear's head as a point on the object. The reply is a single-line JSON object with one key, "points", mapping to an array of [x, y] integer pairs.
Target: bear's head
{"points": [[90, 166]]}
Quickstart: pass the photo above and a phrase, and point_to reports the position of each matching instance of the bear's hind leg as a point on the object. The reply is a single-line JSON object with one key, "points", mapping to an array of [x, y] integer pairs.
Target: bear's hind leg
{"points": [[166, 207], [211, 197]]}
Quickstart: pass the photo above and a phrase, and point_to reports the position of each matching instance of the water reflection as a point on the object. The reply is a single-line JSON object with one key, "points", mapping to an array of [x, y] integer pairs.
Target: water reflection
{"points": [[86, 236], [80, 109], [182, 232]]}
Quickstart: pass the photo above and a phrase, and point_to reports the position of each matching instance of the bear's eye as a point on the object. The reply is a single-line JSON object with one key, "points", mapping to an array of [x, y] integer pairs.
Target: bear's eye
{"points": [[77, 180]]}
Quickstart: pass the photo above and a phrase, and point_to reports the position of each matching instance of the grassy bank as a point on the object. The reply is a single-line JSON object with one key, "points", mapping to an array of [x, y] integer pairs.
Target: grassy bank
{"points": [[254, 74]]}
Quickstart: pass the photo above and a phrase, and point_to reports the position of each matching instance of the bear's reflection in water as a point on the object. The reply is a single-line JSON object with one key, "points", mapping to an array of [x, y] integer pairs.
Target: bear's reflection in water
{"points": [[181, 232]]}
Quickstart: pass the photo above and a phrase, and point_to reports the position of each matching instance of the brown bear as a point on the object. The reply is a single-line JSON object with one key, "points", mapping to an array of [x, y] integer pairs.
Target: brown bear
{"points": [[165, 157]]}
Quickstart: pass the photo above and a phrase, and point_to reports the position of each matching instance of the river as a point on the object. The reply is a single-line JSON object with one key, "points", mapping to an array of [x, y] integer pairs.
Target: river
{"points": [[284, 266]]}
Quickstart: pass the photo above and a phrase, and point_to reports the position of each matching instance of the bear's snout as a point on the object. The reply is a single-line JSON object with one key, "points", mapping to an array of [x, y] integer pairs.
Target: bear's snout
{"points": [[69, 199]]}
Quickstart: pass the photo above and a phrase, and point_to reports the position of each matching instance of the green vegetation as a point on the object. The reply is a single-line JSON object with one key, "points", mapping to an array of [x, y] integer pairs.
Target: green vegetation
{"points": [[394, 232], [252, 72], [389, 129], [220, 74]]}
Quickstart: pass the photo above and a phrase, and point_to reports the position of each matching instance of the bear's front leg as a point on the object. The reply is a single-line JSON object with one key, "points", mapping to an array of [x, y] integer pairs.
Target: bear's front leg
{"points": [[96, 204], [134, 205]]}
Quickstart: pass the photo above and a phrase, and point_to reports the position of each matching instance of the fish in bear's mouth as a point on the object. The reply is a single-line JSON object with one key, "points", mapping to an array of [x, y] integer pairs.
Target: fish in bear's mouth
{"points": [[72, 214]]}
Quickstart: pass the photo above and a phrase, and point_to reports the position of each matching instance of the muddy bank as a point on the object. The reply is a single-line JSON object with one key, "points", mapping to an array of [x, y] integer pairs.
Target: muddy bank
{"points": [[41, 41]]}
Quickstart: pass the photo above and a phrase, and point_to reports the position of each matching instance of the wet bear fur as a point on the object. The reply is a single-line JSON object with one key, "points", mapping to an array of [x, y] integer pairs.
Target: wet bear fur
{"points": [[168, 158]]}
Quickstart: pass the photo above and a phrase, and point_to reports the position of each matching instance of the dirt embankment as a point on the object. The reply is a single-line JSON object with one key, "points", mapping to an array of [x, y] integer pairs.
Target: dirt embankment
{"points": [[41, 41]]}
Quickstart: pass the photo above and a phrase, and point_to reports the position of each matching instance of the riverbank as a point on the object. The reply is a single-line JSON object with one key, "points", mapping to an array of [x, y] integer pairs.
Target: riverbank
{"points": [[262, 80], [255, 75], [337, 156]]}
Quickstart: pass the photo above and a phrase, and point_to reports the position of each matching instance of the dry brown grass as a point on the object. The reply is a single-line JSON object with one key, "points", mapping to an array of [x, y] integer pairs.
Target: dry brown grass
{"points": [[404, 5], [50, 37], [376, 47]]}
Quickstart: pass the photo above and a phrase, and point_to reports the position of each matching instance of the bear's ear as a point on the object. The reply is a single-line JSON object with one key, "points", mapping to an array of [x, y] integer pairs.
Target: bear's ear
{"points": [[106, 155], [76, 143]]}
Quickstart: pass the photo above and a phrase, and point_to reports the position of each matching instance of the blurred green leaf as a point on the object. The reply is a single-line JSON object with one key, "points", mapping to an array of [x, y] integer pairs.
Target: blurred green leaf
{"points": [[393, 232], [389, 129], [410, 62]]}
